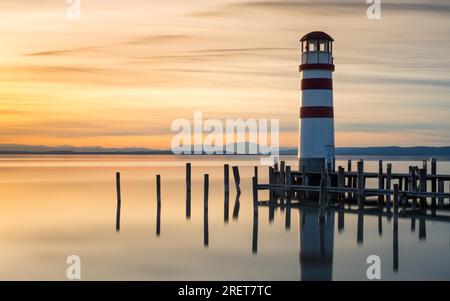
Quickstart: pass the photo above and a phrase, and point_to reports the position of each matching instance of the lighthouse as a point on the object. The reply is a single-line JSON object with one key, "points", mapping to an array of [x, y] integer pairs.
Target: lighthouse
{"points": [[316, 112]]}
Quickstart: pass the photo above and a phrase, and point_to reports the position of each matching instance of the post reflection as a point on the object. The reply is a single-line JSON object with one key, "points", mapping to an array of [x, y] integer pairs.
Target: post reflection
{"points": [[237, 206], [316, 245], [255, 232], [158, 220]]}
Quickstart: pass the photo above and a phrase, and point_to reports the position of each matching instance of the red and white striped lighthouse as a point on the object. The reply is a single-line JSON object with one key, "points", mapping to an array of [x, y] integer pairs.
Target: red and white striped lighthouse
{"points": [[316, 112]]}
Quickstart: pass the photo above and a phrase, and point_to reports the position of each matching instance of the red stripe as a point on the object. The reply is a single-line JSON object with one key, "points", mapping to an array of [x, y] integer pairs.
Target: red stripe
{"points": [[329, 67], [317, 83], [316, 112]]}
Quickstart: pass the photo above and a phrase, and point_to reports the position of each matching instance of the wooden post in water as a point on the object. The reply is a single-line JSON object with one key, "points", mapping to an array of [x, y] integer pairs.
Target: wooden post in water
{"points": [[188, 190], [226, 178], [349, 178], [380, 183], [282, 172], [441, 190], [119, 201], [396, 196], [423, 186], [361, 185], [256, 173], [158, 189], [433, 182], [388, 181], [188, 178], [237, 179], [288, 181], [341, 184]]}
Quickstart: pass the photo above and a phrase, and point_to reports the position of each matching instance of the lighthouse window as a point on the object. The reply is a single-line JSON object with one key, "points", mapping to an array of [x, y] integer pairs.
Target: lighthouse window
{"points": [[312, 45], [323, 45]]}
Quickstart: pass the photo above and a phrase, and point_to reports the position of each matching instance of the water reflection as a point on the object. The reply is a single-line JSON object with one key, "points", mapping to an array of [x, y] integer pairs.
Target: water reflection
{"points": [[237, 206], [316, 245]]}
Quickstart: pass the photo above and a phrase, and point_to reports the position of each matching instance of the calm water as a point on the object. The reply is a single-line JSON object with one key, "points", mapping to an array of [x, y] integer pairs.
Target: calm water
{"points": [[55, 206]]}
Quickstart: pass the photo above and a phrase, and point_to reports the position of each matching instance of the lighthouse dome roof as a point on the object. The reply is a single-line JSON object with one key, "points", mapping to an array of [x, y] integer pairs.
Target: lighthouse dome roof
{"points": [[317, 35]]}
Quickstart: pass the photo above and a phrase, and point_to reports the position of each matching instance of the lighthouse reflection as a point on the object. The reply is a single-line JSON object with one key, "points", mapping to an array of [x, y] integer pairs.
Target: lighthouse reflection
{"points": [[316, 245]]}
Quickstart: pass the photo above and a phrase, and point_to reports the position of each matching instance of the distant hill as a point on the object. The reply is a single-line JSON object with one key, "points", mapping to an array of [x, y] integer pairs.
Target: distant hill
{"points": [[424, 151]]}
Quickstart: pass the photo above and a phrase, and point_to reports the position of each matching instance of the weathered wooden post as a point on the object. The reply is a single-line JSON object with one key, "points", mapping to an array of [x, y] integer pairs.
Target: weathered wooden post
{"points": [[256, 173], [188, 178], [361, 185], [237, 206], [388, 181], [205, 211], [282, 172], [341, 185], [188, 190], [226, 178], [255, 193], [158, 189], [349, 178], [226, 203], [441, 190], [423, 186], [288, 181], [433, 181], [119, 201], [158, 205], [396, 196], [237, 178], [380, 183]]}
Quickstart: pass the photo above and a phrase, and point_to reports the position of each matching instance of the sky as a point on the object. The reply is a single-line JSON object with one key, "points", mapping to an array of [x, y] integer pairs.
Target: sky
{"points": [[121, 74]]}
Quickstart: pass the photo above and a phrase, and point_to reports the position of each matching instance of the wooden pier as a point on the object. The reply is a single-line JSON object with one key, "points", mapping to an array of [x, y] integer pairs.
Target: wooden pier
{"points": [[413, 192]]}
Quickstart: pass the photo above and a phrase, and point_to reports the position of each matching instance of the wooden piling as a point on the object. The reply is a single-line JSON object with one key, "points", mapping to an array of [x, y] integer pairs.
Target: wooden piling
{"points": [[396, 196], [255, 193], [288, 181], [282, 172], [226, 203], [441, 190], [423, 186], [119, 201], [380, 183], [237, 179], [349, 179], [256, 173], [188, 178], [388, 181], [158, 189], [226, 178], [188, 190], [361, 185], [433, 182], [341, 184]]}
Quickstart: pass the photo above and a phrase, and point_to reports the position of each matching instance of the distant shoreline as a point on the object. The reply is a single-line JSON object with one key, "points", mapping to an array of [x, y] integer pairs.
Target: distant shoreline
{"points": [[393, 151]]}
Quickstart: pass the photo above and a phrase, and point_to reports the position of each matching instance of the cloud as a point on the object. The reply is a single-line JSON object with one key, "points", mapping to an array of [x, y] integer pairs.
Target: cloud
{"points": [[326, 7]]}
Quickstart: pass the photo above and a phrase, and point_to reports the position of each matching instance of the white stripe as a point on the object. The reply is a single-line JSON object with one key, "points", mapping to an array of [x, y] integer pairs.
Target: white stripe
{"points": [[317, 98], [317, 137], [317, 74]]}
